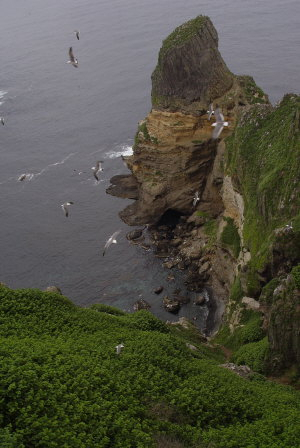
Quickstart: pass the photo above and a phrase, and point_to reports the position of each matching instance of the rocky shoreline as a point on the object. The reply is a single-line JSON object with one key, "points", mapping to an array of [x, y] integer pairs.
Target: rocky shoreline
{"points": [[165, 241]]}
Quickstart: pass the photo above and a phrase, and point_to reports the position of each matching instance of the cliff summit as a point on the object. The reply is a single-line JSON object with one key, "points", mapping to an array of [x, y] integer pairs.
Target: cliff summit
{"points": [[190, 68]]}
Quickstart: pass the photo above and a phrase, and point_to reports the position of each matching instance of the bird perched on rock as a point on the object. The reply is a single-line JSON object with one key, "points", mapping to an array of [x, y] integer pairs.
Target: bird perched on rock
{"points": [[111, 240], [119, 348], [72, 59], [76, 32], [96, 169], [210, 111], [65, 205], [196, 198], [219, 124]]}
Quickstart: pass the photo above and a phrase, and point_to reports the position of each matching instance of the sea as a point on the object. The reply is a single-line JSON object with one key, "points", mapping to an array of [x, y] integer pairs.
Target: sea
{"points": [[59, 120]]}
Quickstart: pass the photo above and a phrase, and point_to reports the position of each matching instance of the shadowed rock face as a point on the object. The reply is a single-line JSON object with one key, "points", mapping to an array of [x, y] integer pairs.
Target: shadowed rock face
{"points": [[283, 323], [190, 67], [165, 185]]}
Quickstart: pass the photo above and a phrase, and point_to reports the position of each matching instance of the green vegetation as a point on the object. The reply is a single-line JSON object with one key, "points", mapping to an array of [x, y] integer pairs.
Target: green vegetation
{"points": [[202, 214], [249, 330], [230, 236], [210, 227], [296, 275], [236, 292], [142, 128], [253, 93], [263, 157], [63, 385], [253, 355]]}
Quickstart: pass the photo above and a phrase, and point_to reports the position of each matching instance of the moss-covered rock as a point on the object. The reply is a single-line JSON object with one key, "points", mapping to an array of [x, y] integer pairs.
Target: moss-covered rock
{"points": [[263, 158]]}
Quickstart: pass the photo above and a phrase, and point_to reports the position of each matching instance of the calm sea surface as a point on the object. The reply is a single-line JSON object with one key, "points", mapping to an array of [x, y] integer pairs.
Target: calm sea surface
{"points": [[59, 120]]}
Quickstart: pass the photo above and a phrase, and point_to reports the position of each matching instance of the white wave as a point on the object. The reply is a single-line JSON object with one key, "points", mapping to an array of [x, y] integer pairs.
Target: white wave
{"points": [[32, 176], [2, 94], [122, 150], [55, 164]]}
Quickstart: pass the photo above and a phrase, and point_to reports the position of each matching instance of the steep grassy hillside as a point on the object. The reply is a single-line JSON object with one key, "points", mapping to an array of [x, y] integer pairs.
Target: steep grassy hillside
{"points": [[263, 160], [63, 385]]}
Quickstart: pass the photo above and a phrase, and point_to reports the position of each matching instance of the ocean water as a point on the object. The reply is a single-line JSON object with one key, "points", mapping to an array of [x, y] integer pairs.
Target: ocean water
{"points": [[59, 120]]}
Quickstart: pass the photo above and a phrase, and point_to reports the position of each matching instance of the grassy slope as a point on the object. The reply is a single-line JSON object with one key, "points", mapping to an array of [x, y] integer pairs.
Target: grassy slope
{"points": [[264, 159], [62, 384]]}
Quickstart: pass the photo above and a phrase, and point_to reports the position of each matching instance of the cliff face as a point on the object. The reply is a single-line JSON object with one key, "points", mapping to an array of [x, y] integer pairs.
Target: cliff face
{"points": [[190, 72], [263, 161], [245, 230], [173, 154], [282, 318]]}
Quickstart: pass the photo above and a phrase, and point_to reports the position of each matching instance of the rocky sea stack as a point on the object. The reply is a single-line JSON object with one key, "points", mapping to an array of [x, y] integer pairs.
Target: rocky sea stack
{"points": [[242, 238], [174, 154], [190, 72]]}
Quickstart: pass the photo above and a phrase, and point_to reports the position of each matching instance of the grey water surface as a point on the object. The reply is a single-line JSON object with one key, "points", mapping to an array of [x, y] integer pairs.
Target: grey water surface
{"points": [[59, 120]]}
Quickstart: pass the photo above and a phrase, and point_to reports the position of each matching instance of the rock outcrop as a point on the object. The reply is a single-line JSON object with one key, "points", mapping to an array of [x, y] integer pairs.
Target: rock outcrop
{"points": [[173, 154], [190, 72], [282, 321], [245, 229]]}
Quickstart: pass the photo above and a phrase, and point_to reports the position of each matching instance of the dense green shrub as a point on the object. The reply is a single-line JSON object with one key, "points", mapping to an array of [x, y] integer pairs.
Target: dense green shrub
{"points": [[296, 275], [249, 330], [252, 330], [63, 385], [144, 320], [101, 308], [253, 355]]}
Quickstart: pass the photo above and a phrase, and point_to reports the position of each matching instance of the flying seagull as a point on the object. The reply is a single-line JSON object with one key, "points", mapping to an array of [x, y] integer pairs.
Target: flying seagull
{"points": [[76, 32], [96, 169], [196, 198], [210, 111], [2, 120], [65, 205], [219, 124], [111, 240], [72, 59], [119, 348], [25, 176]]}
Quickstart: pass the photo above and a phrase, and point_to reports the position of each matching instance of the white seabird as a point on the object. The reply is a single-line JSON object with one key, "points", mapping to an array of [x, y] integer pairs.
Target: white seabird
{"points": [[2, 120], [76, 32], [96, 169], [210, 110], [219, 124], [119, 348], [65, 205], [25, 176], [196, 198], [111, 240], [72, 59]]}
